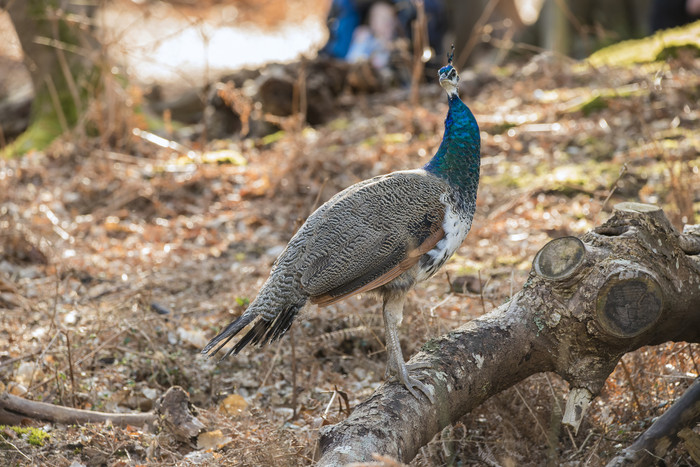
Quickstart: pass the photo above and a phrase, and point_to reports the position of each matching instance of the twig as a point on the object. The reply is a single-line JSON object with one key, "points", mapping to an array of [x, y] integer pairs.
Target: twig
{"points": [[449, 281], [16, 359], [13, 409], [79, 361], [17, 449], [59, 386], [481, 292], [629, 380], [70, 369], [41, 358], [330, 403], [53, 93], [613, 187], [272, 365], [512, 283], [692, 358], [299, 104], [318, 195], [537, 420], [63, 62], [580, 449], [420, 26], [595, 448], [476, 33]]}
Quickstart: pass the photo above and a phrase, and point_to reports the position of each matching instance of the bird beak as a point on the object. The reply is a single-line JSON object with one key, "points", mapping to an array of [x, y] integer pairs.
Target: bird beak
{"points": [[447, 73]]}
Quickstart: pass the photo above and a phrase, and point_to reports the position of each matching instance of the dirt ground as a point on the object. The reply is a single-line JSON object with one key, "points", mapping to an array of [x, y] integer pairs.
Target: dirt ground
{"points": [[118, 264]]}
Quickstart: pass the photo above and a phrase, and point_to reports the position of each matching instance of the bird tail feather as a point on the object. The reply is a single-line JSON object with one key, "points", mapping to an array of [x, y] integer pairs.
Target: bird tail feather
{"points": [[262, 332]]}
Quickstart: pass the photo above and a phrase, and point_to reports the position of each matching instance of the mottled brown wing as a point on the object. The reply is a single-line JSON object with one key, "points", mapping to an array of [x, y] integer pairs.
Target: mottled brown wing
{"points": [[368, 235], [390, 275]]}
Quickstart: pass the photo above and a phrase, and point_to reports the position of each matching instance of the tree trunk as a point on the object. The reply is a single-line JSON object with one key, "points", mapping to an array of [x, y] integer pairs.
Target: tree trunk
{"points": [[631, 282], [58, 52]]}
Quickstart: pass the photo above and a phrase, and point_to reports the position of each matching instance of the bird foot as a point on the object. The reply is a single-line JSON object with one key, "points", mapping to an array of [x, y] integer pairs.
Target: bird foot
{"points": [[412, 384]]}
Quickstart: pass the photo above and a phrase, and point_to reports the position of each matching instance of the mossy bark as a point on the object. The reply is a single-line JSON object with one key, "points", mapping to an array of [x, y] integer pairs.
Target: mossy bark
{"points": [[58, 54]]}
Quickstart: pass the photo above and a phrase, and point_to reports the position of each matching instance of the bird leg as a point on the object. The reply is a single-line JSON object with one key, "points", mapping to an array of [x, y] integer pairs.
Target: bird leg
{"points": [[393, 315]]}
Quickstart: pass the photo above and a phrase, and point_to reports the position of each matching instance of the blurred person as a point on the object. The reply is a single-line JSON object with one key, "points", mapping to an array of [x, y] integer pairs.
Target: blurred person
{"points": [[373, 42], [366, 29], [343, 18]]}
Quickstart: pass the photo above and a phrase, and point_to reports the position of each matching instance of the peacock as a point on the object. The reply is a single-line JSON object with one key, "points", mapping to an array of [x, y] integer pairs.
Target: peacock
{"points": [[382, 235]]}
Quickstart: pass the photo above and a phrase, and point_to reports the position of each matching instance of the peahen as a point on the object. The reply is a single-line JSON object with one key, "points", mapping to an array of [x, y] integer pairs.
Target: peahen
{"points": [[382, 235]]}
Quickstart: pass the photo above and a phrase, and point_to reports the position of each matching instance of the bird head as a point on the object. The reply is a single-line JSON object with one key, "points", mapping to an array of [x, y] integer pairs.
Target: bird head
{"points": [[449, 79]]}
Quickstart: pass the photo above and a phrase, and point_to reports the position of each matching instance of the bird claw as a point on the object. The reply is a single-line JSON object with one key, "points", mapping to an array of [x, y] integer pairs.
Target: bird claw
{"points": [[412, 384], [409, 382]]}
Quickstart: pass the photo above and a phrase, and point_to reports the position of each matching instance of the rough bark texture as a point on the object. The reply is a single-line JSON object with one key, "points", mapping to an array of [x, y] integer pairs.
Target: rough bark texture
{"points": [[663, 433], [177, 415], [628, 284]]}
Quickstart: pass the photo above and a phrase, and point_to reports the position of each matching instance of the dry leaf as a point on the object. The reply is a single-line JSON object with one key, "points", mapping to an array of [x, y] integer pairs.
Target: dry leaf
{"points": [[212, 440], [233, 404]]}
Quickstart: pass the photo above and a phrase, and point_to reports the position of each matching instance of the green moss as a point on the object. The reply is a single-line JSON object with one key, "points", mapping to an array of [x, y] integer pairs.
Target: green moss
{"points": [[501, 128], [370, 142], [594, 104], [272, 138], [569, 180], [600, 99], [509, 178], [40, 134], [34, 436], [339, 124], [660, 46]]}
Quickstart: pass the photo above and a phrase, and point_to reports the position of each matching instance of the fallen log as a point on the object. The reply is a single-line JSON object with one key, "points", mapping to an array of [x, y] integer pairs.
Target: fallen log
{"points": [[631, 282]]}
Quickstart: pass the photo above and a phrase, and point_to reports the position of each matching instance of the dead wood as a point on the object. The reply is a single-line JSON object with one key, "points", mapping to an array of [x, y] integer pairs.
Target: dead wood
{"points": [[664, 433], [177, 415], [173, 413], [624, 285], [16, 410]]}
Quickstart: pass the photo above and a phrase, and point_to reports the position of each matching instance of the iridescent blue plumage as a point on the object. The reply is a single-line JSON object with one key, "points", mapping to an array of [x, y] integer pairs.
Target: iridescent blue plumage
{"points": [[458, 158]]}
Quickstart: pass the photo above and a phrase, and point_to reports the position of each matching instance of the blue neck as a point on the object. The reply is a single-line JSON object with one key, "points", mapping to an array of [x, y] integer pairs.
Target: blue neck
{"points": [[458, 157]]}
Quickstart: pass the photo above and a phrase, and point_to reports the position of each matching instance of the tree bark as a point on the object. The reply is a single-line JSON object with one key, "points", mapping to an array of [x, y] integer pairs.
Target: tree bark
{"points": [[586, 303], [59, 53]]}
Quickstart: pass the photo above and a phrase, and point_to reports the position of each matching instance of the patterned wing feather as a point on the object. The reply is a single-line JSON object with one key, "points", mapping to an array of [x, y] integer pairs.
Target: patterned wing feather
{"points": [[366, 236]]}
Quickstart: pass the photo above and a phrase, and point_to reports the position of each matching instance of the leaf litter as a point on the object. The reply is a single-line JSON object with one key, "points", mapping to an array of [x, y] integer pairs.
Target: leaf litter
{"points": [[116, 266]]}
